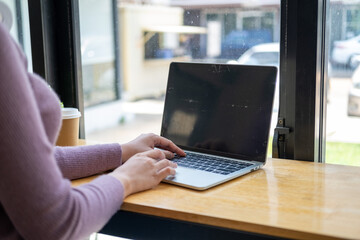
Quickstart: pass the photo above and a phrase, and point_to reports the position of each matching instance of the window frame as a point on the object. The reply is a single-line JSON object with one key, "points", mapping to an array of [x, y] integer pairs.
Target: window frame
{"points": [[300, 130], [55, 45]]}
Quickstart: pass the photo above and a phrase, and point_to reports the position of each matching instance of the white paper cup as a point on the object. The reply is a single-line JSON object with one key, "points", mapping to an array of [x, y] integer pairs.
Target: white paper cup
{"points": [[69, 132]]}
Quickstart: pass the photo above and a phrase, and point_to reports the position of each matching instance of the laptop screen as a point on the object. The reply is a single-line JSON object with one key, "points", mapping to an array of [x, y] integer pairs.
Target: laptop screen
{"points": [[221, 109]]}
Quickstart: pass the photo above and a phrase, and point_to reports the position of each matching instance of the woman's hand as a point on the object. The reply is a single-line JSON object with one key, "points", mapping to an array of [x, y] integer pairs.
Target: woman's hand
{"points": [[146, 142], [144, 171]]}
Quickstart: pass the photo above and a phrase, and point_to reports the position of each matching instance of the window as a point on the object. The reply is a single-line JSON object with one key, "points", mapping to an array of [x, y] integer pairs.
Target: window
{"points": [[301, 36], [140, 96], [343, 83]]}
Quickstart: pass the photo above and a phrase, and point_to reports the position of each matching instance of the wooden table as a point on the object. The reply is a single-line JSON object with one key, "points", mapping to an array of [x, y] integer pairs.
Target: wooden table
{"points": [[287, 198]]}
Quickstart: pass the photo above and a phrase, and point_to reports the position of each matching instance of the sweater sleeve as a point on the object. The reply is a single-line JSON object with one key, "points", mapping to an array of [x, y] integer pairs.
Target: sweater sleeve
{"points": [[77, 162], [38, 201]]}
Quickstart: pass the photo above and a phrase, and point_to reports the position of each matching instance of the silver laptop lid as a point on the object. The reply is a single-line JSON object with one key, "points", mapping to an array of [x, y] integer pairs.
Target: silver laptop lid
{"points": [[221, 109]]}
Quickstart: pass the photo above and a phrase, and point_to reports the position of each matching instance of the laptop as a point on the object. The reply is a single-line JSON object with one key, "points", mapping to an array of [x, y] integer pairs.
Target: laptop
{"points": [[220, 115]]}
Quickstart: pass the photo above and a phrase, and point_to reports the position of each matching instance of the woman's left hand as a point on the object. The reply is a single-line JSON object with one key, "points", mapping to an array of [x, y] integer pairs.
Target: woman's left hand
{"points": [[146, 142]]}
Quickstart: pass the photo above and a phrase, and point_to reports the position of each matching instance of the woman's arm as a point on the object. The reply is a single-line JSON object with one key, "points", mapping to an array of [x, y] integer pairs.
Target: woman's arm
{"points": [[82, 161], [38, 202], [76, 162]]}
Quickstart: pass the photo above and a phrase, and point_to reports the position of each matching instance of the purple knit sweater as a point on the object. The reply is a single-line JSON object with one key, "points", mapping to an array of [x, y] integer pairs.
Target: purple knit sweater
{"points": [[36, 197]]}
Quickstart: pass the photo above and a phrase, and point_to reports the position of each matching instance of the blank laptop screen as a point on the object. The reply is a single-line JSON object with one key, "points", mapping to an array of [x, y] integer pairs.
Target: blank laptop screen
{"points": [[220, 108]]}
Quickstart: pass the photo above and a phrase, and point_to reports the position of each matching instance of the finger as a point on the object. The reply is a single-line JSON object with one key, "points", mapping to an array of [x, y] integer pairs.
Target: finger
{"points": [[165, 163], [168, 154], [155, 154], [167, 144], [163, 173]]}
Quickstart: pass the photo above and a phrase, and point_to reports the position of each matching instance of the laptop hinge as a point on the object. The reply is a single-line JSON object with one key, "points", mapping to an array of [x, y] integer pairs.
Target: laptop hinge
{"points": [[281, 135]]}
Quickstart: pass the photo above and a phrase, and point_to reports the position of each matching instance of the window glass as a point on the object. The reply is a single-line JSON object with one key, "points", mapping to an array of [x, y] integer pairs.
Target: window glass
{"points": [[18, 20], [155, 33], [343, 84], [97, 51]]}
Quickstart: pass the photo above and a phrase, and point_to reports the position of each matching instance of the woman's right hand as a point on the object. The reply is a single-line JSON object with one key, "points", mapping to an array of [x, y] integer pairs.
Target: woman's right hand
{"points": [[144, 171], [146, 142]]}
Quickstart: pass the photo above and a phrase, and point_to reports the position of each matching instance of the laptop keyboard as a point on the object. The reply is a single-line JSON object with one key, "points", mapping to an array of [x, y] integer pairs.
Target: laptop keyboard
{"points": [[210, 163]]}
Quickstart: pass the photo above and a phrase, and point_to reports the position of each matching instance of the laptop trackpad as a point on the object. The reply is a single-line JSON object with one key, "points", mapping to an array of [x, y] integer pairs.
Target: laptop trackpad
{"points": [[194, 178]]}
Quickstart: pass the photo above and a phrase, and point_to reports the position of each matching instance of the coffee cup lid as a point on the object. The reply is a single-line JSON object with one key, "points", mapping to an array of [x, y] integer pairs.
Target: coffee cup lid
{"points": [[69, 113]]}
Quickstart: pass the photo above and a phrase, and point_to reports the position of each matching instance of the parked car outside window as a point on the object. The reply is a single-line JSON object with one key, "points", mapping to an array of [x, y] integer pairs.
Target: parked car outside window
{"points": [[346, 52], [353, 108], [237, 42], [262, 54]]}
